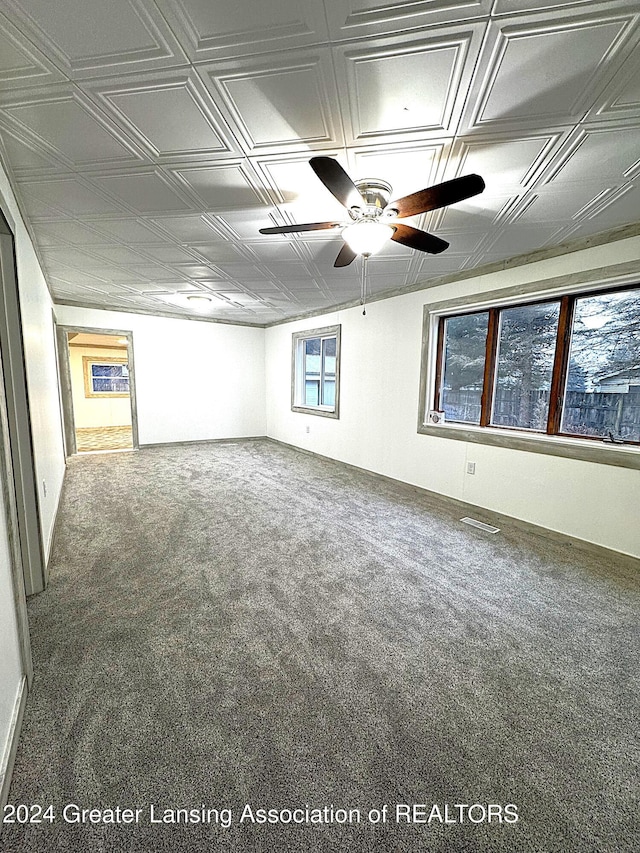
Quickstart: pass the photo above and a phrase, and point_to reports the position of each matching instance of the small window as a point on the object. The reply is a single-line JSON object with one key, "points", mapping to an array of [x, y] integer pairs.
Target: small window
{"points": [[108, 377], [316, 371]]}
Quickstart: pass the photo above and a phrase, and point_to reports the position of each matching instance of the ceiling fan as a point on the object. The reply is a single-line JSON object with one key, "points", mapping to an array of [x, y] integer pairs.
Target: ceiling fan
{"points": [[374, 217]]}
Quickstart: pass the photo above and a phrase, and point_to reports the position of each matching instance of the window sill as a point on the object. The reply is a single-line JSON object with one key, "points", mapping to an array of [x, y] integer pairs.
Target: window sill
{"points": [[316, 410], [569, 448]]}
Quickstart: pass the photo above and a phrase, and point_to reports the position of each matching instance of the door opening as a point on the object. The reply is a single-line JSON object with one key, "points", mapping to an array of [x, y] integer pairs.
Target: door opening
{"points": [[97, 390]]}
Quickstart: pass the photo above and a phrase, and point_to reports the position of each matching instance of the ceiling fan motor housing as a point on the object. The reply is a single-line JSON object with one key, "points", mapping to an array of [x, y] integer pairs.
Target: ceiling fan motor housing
{"points": [[376, 194]]}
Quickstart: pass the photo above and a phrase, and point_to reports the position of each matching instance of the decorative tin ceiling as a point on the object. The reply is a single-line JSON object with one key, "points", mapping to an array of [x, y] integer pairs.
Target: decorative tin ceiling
{"points": [[149, 140]]}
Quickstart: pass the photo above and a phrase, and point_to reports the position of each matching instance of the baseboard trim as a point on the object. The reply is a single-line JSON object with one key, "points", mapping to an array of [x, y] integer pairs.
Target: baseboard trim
{"points": [[9, 756], [483, 514], [203, 441]]}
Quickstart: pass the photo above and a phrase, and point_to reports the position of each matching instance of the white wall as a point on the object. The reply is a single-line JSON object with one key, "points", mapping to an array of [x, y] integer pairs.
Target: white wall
{"points": [[194, 380], [377, 428], [42, 372], [47, 440], [96, 411]]}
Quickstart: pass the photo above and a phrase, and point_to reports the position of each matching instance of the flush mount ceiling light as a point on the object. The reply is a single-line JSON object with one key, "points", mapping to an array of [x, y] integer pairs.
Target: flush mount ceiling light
{"points": [[199, 301]]}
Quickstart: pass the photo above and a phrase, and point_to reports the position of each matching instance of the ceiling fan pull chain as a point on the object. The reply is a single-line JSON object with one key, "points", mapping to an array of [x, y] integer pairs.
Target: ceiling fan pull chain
{"points": [[363, 285]]}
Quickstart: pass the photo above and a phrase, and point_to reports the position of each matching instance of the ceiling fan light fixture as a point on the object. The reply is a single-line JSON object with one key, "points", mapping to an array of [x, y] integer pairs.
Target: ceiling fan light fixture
{"points": [[367, 236]]}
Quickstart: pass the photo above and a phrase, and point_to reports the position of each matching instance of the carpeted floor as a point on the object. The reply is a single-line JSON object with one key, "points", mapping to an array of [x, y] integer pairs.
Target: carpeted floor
{"points": [[232, 625]]}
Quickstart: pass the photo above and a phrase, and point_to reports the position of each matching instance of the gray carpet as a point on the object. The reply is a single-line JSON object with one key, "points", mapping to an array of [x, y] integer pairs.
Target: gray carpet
{"points": [[241, 624]]}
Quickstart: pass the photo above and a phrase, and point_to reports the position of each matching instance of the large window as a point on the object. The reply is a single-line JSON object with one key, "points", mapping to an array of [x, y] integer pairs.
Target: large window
{"points": [[568, 366], [316, 371]]}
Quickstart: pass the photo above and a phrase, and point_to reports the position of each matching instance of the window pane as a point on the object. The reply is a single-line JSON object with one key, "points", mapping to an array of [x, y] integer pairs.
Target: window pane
{"points": [[602, 396], [312, 392], [463, 369], [312, 372], [108, 370], [526, 348], [329, 376]]}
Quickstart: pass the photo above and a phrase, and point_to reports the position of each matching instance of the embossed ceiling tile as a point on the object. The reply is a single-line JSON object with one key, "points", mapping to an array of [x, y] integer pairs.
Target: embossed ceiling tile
{"points": [[288, 102], [197, 271], [66, 126], [142, 193], [169, 254], [69, 195], [60, 272], [121, 34], [553, 204], [209, 30], [519, 239], [288, 271], [391, 268], [616, 208], [142, 104], [69, 256], [127, 230], [610, 153], [118, 254], [21, 63], [24, 156], [462, 242], [505, 163], [434, 266], [622, 97], [540, 72], [188, 229], [239, 272], [276, 250], [406, 168], [245, 224], [382, 85], [296, 187], [109, 273], [479, 213], [358, 18], [68, 231], [322, 252], [301, 195], [227, 186], [219, 252], [508, 7], [154, 272]]}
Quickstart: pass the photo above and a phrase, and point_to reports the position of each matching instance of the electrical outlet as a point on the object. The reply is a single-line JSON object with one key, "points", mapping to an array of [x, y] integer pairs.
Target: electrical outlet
{"points": [[307, 429], [471, 467]]}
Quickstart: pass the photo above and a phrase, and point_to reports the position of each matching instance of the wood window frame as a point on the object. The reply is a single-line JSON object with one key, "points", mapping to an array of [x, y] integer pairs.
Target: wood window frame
{"points": [[553, 441], [87, 361]]}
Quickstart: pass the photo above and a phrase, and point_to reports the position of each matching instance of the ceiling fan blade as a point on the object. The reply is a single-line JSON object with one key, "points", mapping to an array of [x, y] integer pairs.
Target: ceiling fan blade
{"points": [[336, 180], [345, 256], [441, 195], [420, 240], [307, 226]]}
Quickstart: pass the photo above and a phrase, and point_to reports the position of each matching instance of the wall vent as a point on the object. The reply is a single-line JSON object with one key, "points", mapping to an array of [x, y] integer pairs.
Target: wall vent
{"points": [[480, 524]]}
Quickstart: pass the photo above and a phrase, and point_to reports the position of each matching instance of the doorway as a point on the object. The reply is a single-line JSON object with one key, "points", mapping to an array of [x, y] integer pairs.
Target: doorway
{"points": [[98, 390]]}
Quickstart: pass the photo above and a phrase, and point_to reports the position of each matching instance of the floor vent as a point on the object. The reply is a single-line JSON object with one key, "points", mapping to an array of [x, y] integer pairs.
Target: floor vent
{"points": [[480, 524]]}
